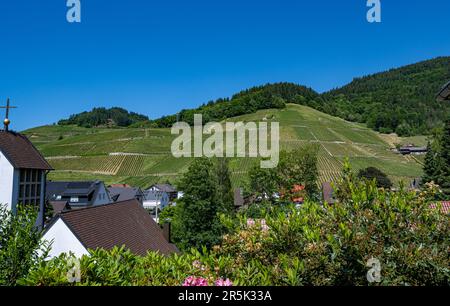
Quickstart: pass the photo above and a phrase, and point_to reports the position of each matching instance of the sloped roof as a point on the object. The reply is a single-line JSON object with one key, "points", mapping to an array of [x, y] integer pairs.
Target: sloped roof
{"points": [[21, 153], [444, 206], [79, 188], [124, 193], [124, 223], [165, 187], [444, 93]]}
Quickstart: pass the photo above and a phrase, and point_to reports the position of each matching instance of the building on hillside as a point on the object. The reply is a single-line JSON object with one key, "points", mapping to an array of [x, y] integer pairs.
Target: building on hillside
{"points": [[118, 224], [78, 194], [120, 194], [23, 172], [444, 93], [167, 188], [156, 199], [328, 193], [412, 150], [298, 194], [444, 207]]}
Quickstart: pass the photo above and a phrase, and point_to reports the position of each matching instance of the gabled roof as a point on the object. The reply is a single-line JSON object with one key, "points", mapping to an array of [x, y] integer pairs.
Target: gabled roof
{"points": [[21, 153], [444, 206], [124, 223], [164, 187], [444, 93], [124, 193]]}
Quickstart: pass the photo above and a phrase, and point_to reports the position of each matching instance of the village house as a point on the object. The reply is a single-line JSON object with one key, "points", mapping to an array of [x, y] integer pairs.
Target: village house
{"points": [[166, 188], [118, 224], [156, 199], [77, 194], [23, 172], [125, 193], [411, 149]]}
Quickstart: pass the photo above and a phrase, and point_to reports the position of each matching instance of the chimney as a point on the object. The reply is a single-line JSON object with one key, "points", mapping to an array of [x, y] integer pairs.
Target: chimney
{"points": [[166, 231]]}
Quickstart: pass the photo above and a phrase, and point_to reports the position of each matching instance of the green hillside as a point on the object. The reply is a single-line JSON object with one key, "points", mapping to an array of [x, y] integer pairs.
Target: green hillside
{"points": [[409, 93], [141, 156]]}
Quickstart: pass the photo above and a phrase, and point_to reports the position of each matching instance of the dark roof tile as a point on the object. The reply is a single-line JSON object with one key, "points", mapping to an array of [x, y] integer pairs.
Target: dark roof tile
{"points": [[123, 223], [21, 153]]}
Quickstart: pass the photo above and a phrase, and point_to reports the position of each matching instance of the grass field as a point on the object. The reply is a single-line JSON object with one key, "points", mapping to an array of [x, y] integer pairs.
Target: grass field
{"points": [[142, 157]]}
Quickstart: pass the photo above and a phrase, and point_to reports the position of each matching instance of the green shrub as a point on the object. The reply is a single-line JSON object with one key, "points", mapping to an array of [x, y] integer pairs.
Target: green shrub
{"points": [[310, 245], [20, 245]]}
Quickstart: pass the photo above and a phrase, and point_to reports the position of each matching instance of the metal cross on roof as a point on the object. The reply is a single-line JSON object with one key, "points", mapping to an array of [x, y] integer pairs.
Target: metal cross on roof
{"points": [[6, 122]]}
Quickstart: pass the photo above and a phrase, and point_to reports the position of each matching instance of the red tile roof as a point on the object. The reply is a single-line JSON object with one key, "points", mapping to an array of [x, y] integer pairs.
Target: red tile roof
{"points": [[124, 223], [445, 207], [21, 153]]}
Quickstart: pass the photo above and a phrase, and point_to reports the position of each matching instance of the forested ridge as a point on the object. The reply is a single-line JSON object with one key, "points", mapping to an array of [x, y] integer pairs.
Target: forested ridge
{"points": [[115, 116], [400, 100], [245, 102]]}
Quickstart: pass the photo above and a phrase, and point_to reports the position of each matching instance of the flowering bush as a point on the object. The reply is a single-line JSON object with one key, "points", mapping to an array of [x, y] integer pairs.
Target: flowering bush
{"points": [[313, 245]]}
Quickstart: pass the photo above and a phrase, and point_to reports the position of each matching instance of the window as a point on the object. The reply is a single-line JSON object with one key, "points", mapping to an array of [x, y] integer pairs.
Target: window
{"points": [[74, 199], [30, 186]]}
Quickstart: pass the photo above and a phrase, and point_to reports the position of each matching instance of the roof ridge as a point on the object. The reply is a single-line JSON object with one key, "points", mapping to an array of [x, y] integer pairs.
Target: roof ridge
{"points": [[97, 206]]}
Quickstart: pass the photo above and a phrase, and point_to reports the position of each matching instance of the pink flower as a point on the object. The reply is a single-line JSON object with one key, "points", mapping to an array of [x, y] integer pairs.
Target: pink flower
{"points": [[224, 283], [250, 222], [192, 281], [263, 222], [265, 228]]}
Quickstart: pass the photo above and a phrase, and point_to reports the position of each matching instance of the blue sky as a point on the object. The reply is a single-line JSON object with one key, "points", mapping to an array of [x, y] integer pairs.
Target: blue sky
{"points": [[157, 57]]}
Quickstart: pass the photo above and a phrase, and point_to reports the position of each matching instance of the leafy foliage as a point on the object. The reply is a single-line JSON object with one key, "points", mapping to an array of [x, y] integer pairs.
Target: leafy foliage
{"points": [[296, 167], [409, 93], [372, 173], [437, 160], [196, 219], [312, 245], [115, 116], [245, 102], [20, 245]]}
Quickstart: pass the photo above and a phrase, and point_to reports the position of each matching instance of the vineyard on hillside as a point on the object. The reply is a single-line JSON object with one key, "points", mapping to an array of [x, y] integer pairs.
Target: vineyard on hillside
{"points": [[140, 157]]}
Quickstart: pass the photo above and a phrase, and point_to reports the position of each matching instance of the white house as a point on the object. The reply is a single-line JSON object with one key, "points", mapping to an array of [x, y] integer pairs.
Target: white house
{"points": [[156, 199], [23, 172], [118, 224]]}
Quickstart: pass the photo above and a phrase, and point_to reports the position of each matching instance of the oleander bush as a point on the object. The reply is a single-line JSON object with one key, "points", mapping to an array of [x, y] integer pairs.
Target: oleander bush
{"points": [[312, 245]]}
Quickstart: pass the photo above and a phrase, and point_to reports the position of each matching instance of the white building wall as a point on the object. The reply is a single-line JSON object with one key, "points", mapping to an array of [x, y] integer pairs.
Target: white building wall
{"points": [[8, 182], [64, 241]]}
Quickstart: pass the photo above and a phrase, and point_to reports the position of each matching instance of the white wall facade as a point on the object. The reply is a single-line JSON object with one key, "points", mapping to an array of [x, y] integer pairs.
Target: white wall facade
{"points": [[64, 241], [9, 183]]}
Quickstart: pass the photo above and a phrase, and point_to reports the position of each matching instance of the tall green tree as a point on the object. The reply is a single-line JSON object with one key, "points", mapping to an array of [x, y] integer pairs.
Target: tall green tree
{"points": [[224, 186], [430, 165], [371, 173], [198, 210], [444, 162], [296, 167]]}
